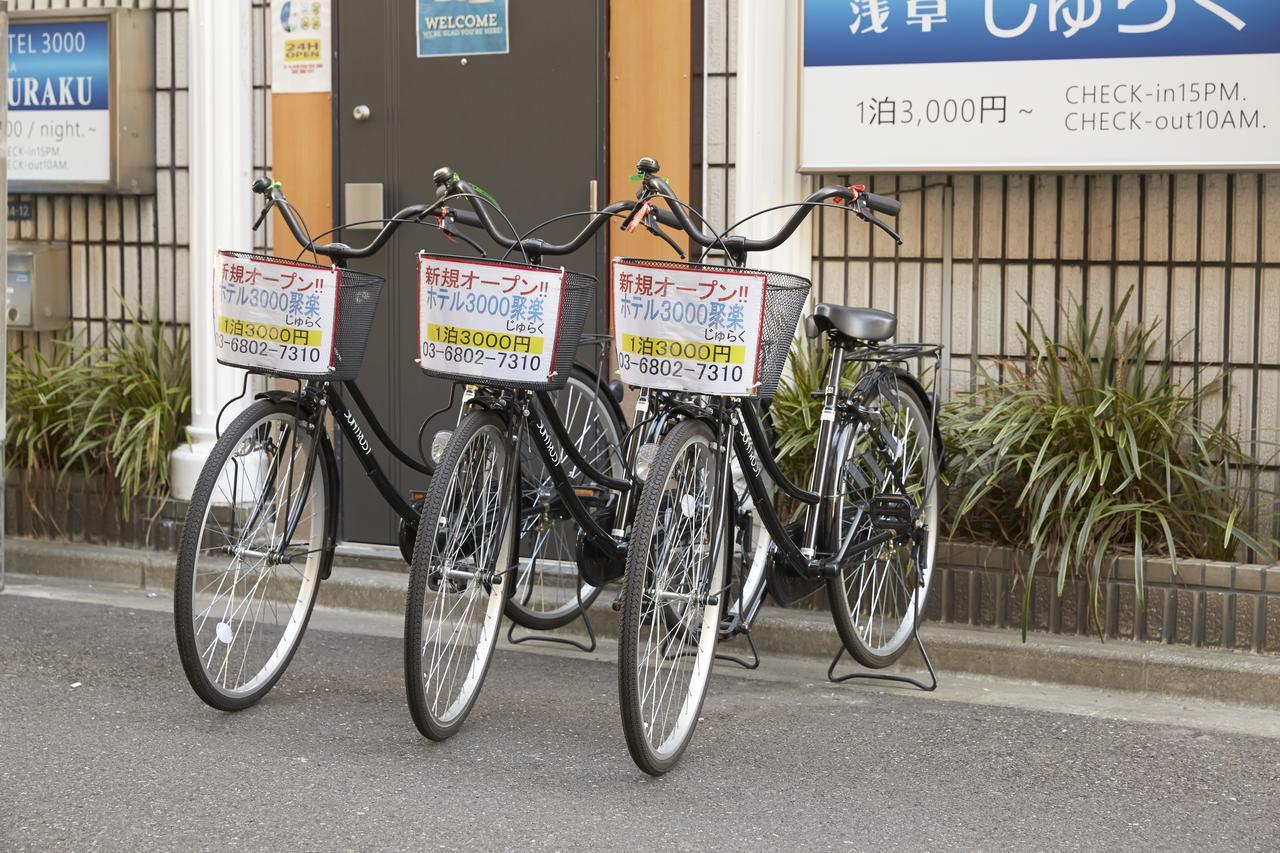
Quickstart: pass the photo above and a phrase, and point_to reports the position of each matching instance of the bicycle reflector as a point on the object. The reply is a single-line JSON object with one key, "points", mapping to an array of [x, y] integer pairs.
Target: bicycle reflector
{"points": [[439, 442]]}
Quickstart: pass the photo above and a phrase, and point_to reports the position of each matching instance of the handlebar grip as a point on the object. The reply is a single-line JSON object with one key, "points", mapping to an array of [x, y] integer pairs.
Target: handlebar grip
{"points": [[466, 217], [883, 204], [261, 185]]}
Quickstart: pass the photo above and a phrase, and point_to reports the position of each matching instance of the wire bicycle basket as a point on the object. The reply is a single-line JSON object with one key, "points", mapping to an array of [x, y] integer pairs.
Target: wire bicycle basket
{"points": [[704, 329], [291, 319], [504, 325]]}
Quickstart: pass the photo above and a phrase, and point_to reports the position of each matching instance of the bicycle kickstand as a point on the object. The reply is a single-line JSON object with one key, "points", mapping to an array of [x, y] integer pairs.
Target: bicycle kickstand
{"points": [[878, 676], [754, 663], [589, 646]]}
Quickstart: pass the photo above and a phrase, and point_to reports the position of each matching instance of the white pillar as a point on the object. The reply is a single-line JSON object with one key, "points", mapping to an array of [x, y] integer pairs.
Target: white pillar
{"points": [[220, 56], [765, 172]]}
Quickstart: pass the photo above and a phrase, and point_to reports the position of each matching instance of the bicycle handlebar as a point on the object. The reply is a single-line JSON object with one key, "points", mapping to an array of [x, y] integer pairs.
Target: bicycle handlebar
{"points": [[336, 251], [450, 182], [864, 203]]}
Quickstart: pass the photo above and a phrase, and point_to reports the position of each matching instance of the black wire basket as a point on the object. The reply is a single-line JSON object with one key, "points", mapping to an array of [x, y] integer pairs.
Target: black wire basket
{"points": [[575, 303], [358, 294], [784, 301]]}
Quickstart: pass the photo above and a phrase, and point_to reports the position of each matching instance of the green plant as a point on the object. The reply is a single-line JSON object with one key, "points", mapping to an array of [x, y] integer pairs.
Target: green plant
{"points": [[114, 408], [1091, 448], [40, 394]]}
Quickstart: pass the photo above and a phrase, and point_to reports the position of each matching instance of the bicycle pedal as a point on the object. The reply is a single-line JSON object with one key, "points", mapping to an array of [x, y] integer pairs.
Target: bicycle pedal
{"points": [[892, 512]]}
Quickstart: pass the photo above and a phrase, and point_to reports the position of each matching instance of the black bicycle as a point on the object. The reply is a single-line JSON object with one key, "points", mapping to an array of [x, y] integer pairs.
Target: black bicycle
{"points": [[513, 465], [870, 509], [261, 528]]}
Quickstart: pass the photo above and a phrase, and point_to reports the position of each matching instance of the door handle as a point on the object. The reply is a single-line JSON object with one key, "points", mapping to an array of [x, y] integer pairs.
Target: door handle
{"points": [[361, 112]]}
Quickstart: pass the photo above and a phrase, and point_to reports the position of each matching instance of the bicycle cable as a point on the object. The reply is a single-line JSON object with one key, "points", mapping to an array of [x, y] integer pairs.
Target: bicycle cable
{"points": [[418, 220], [453, 392], [842, 207]]}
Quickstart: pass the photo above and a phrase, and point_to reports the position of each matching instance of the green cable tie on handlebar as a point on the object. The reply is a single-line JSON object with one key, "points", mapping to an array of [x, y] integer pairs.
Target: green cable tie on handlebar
{"points": [[486, 196], [275, 185], [638, 176]]}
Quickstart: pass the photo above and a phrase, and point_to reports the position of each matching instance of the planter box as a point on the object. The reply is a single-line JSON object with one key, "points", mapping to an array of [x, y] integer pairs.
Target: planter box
{"points": [[1203, 603], [86, 509]]}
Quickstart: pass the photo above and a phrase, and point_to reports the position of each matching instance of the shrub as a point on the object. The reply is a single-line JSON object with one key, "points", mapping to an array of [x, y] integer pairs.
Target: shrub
{"points": [[1089, 447], [113, 408]]}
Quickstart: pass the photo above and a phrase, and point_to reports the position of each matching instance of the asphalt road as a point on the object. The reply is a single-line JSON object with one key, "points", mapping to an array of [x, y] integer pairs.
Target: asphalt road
{"points": [[131, 760]]}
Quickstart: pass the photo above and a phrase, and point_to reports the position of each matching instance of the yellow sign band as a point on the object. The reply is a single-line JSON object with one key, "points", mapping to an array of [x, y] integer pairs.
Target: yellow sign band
{"points": [[268, 332], [481, 339], [684, 350]]}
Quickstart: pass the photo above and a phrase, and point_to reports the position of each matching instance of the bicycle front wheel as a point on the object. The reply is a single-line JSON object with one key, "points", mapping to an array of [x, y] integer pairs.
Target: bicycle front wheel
{"points": [[877, 598], [548, 591], [675, 564], [243, 593], [460, 574]]}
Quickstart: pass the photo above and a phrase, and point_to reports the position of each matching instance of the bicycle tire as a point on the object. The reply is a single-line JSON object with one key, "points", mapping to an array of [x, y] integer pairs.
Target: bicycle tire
{"points": [[646, 605], [551, 536], [191, 636], [448, 536], [855, 621]]}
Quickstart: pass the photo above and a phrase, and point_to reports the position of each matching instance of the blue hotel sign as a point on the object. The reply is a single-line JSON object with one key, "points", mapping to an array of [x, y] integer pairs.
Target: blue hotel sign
{"points": [[462, 27], [59, 101], [1040, 84], [79, 120]]}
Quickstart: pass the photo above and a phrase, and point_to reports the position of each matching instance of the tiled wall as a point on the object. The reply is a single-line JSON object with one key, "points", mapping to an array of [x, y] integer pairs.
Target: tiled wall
{"points": [[129, 250], [720, 64]]}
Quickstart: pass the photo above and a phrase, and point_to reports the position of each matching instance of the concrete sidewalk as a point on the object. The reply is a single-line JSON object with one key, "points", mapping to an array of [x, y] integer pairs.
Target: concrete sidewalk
{"points": [[1226, 676]]}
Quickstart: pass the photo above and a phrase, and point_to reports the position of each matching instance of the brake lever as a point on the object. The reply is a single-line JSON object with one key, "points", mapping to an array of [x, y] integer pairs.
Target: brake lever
{"points": [[444, 223], [651, 224], [635, 216], [864, 212]]}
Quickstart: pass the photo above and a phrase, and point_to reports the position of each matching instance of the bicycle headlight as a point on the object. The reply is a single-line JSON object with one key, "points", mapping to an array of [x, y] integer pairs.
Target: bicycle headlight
{"points": [[645, 454], [439, 442]]}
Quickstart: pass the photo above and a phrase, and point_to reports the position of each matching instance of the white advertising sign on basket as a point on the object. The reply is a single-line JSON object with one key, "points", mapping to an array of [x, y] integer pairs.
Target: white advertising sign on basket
{"points": [[274, 316], [688, 329], [487, 320]]}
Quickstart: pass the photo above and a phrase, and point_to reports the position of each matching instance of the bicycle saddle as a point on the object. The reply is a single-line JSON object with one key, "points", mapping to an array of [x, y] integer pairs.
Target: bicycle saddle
{"points": [[861, 324]]}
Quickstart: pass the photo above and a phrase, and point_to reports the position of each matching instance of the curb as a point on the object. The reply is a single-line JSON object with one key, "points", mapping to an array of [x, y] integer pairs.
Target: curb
{"points": [[1218, 675]]}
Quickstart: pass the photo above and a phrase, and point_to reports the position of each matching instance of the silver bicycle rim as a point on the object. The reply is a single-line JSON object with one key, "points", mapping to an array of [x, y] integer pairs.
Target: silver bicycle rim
{"points": [[547, 583], [248, 607], [463, 608], [677, 633], [881, 590]]}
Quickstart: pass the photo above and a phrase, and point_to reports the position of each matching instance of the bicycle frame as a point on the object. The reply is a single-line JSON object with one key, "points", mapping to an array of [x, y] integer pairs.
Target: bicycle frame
{"points": [[816, 555], [319, 397]]}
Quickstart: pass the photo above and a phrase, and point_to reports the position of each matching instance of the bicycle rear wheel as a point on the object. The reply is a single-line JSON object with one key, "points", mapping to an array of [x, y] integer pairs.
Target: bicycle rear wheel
{"points": [[877, 597], [549, 592], [458, 582], [675, 562], [242, 596]]}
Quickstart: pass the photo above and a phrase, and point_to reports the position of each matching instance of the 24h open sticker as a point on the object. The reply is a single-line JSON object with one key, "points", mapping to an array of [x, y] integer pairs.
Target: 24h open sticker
{"points": [[484, 320], [692, 329], [274, 316]]}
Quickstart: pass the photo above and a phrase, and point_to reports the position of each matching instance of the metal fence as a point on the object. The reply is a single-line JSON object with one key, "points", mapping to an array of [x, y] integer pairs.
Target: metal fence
{"points": [[982, 254]]}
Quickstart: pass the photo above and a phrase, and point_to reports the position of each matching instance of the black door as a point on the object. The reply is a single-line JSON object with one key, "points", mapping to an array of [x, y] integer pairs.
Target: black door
{"points": [[529, 126]]}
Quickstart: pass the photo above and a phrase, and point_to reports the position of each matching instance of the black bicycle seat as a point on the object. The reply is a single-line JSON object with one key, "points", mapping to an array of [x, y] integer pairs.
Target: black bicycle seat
{"points": [[861, 324]]}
